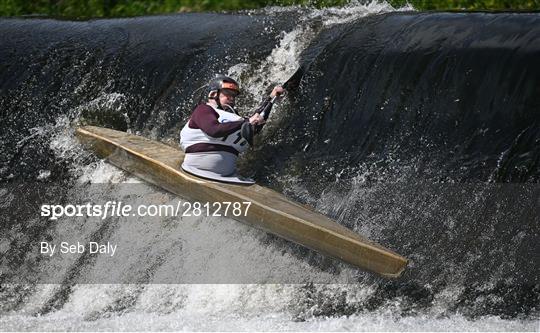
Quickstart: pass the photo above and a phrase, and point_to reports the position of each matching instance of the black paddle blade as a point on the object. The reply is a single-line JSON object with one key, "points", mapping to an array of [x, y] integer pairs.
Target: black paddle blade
{"points": [[294, 81]]}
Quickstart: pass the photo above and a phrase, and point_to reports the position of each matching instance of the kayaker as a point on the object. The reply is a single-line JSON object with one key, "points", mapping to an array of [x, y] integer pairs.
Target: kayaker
{"points": [[215, 134]]}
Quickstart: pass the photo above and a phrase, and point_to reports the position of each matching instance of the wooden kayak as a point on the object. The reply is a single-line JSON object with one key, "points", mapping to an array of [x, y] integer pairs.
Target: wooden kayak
{"points": [[159, 164]]}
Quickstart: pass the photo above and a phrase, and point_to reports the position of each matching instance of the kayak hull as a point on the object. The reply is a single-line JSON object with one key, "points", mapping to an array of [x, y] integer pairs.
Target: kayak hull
{"points": [[159, 164]]}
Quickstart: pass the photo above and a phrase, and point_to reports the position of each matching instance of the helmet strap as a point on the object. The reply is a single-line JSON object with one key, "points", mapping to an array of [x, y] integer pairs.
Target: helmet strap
{"points": [[216, 99]]}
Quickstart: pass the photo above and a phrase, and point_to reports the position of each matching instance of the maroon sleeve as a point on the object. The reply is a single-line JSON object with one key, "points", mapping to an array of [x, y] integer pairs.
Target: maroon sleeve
{"points": [[206, 119]]}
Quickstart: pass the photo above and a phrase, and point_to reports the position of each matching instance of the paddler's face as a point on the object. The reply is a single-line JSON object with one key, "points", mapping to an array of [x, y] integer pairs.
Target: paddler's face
{"points": [[227, 97]]}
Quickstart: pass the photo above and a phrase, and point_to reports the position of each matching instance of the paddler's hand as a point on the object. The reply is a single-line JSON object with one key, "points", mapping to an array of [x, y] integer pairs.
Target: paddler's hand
{"points": [[256, 119], [277, 91]]}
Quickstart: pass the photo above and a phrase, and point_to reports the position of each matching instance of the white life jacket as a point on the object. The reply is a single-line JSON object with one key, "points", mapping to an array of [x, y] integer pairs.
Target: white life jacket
{"points": [[190, 136]]}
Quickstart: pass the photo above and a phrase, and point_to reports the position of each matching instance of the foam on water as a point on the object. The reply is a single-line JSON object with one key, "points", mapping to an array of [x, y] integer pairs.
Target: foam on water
{"points": [[265, 320]]}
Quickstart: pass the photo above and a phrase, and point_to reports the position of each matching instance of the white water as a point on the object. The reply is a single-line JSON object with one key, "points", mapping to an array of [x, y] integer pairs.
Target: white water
{"points": [[266, 319]]}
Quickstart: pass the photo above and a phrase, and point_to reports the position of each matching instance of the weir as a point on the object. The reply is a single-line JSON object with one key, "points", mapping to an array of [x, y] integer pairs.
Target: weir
{"points": [[417, 130]]}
